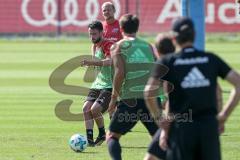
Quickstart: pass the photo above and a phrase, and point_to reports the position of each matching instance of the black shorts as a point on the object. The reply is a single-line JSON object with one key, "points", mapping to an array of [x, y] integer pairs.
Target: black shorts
{"points": [[197, 140], [101, 96], [126, 117], [154, 147]]}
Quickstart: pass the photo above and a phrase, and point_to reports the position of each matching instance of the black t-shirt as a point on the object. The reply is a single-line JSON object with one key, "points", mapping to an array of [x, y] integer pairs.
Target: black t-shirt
{"points": [[193, 74]]}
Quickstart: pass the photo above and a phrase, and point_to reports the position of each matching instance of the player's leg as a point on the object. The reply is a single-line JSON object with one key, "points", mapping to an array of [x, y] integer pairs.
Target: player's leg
{"points": [[88, 118], [99, 107], [151, 126], [97, 116], [146, 118], [154, 150], [114, 147], [120, 124]]}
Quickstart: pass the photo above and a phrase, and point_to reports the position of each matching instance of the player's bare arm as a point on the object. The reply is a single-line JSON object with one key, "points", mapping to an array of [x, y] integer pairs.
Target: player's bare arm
{"points": [[233, 78], [96, 62], [105, 62], [118, 77], [150, 93]]}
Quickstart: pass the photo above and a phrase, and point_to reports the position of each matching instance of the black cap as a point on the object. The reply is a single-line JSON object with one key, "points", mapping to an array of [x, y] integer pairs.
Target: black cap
{"points": [[182, 25]]}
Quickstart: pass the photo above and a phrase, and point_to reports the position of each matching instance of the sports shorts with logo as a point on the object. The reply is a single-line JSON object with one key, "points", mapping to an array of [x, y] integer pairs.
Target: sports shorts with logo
{"points": [[101, 96], [128, 113]]}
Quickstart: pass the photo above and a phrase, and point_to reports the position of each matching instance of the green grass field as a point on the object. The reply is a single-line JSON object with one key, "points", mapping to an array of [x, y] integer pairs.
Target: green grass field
{"points": [[29, 129]]}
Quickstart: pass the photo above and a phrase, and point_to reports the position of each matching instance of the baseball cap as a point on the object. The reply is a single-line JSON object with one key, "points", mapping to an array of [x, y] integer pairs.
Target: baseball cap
{"points": [[182, 25]]}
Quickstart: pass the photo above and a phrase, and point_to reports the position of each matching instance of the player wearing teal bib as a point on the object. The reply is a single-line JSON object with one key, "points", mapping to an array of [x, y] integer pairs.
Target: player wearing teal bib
{"points": [[133, 60], [100, 93]]}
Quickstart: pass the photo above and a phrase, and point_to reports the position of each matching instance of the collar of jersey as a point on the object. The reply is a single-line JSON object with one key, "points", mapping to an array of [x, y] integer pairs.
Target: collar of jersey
{"points": [[188, 49]]}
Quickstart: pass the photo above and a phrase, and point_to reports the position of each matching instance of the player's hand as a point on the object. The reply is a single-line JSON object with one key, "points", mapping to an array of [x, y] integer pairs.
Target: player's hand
{"points": [[221, 121], [165, 122], [163, 138], [85, 63], [221, 128]]}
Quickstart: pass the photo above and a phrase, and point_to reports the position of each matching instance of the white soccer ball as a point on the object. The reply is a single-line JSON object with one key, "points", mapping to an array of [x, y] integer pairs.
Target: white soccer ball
{"points": [[78, 142]]}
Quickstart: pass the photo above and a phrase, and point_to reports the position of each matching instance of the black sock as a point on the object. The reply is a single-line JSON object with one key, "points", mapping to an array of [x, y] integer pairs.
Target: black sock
{"points": [[89, 134], [114, 148], [101, 131]]}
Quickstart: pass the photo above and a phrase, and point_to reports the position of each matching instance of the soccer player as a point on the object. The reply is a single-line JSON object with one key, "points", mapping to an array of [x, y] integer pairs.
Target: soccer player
{"points": [[100, 93], [131, 57], [194, 131], [111, 26], [164, 46]]}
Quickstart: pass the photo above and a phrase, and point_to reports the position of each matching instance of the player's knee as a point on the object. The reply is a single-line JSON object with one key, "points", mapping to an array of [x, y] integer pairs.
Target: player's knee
{"points": [[86, 107], [96, 109], [112, 135]]}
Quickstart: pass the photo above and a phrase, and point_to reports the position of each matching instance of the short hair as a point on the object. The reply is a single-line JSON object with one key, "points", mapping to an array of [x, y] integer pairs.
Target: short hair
{"points": [[96, 25], [183, 29], [110, 4], [164, 44], [129, 23]]}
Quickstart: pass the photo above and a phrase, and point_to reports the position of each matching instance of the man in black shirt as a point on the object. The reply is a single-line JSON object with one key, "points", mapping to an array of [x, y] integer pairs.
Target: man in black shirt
{"points": [[164, 47], [194, 131]]}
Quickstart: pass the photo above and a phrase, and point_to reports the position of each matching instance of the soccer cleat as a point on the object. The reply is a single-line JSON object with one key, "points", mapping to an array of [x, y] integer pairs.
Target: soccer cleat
{"points": [[91, 143], [100, 140]]}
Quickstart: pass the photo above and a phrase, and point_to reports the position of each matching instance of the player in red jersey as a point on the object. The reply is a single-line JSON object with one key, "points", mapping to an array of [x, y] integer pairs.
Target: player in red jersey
{"points": [[111, 26], [99, 96]]}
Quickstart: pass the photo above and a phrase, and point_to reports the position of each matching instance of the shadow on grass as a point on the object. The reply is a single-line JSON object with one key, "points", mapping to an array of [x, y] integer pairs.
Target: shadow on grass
{"points": [[87, 152], [136, 131], [134, 147]]}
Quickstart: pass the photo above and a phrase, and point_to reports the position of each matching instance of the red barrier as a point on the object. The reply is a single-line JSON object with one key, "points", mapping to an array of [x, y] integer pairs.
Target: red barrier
{"points": [[40, 16]]}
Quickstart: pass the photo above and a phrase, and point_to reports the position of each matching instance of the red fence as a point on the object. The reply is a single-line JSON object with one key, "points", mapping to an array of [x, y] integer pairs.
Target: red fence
{"points": [[72, 16]]}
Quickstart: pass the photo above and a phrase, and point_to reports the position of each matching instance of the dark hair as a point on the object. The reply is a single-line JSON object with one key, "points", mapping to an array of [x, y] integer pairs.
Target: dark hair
{"points": [[164, 44], [96, 25], [129, 23]]}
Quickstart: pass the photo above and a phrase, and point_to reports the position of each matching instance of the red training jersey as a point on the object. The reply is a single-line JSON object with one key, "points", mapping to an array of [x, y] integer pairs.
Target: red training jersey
{"points": [[112, 31]]}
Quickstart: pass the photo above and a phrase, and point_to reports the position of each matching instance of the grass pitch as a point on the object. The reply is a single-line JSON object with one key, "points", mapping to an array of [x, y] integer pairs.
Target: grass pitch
{"points": [[29, 129]]}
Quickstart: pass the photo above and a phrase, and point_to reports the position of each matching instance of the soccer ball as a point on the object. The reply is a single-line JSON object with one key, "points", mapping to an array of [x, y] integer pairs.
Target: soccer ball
{"points": [[78, 142]]}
